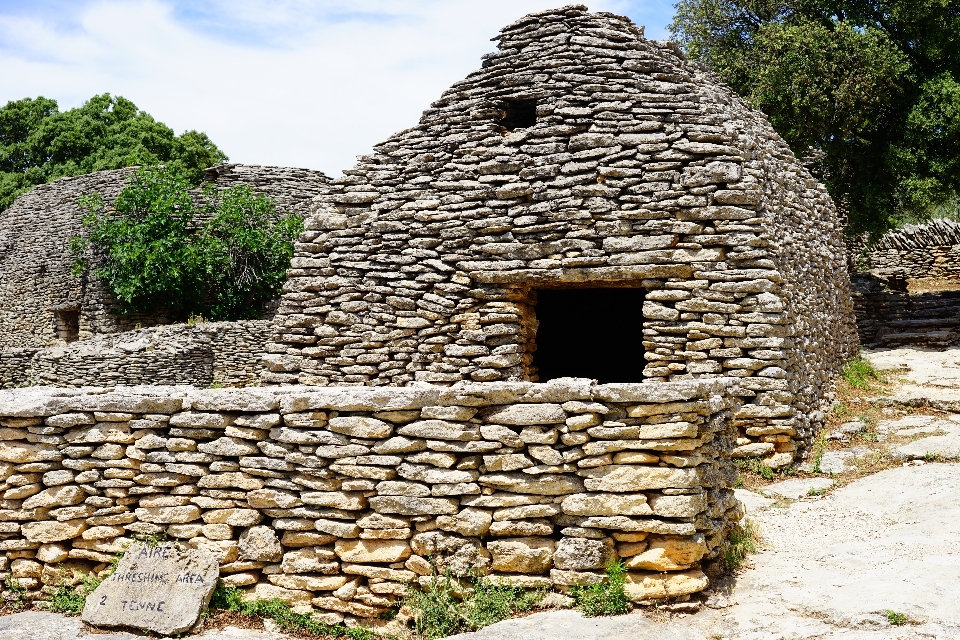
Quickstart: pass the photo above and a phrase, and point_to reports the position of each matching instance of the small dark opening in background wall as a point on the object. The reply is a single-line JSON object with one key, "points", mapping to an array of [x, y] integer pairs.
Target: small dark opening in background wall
{"points": [[519, 114], [68, 324], [590, 333]]}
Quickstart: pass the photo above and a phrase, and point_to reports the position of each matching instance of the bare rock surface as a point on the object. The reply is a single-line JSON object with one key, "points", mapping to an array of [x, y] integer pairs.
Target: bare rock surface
{"points": [[798, 487]]}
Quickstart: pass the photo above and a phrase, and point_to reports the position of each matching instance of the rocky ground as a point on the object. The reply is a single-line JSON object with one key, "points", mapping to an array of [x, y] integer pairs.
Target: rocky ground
{"points": [[861, 543]]}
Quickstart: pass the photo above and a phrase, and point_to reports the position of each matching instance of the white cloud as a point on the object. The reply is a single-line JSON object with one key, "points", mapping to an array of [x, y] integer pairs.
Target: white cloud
{"points": [[309, 83]]}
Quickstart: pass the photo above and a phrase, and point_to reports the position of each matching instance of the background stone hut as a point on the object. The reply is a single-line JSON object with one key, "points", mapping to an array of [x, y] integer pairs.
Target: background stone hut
{"points": [[588, 204], [42, 303]]}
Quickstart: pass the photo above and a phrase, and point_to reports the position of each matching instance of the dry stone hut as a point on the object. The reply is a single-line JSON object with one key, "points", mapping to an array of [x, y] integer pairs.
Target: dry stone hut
{"points": [[42, 303], [588, 204]]}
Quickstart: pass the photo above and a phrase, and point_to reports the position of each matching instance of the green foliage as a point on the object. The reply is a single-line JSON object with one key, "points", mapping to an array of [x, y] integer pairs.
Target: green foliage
{"points": [[818, 456], [858, 373], [896, 619], [756, 466], [741, 541], [868, 91], [70, 598], [605, 598], [16, 593], [39, 143], [220, 255], [448, 607], [231, 599]]}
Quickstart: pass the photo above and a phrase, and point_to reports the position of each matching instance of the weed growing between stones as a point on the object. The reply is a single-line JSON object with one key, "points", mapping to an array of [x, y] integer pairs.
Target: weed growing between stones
{"points": [[895, 619], [741, 541], [230, 599], [859, 372], [440, 611], [605, 598], [13, 596], [70, 598]]}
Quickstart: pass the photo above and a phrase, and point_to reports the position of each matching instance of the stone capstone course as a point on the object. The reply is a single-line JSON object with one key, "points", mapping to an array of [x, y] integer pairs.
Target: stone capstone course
{"points": [[348, 529]]}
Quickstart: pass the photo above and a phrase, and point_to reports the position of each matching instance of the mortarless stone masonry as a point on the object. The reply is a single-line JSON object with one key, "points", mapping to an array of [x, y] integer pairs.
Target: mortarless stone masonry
{"points": [[336, 498], [581, 154], [222, 353], [930, 250]]}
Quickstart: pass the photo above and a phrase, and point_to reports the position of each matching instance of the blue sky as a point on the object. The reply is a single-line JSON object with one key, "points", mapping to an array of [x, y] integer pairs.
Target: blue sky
{"points": [[306, 83]]}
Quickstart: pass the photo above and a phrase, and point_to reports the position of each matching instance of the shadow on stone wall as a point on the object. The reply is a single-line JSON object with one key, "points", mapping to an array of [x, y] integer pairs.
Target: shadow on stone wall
{"points": [[888, 318]]}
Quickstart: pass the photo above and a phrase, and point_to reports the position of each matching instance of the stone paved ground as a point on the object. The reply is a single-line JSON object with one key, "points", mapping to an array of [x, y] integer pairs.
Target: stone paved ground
{"points": [[830, 566]]}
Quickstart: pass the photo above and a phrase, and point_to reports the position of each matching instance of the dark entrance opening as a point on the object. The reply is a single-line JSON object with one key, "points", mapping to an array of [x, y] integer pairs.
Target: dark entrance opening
{"points": [[519, 114], [68, 324], [590, 333]]}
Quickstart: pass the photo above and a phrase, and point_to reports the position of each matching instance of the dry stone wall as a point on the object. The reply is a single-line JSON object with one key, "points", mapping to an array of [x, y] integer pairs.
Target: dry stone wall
{"points": [[336, 499], [216, 353], [580, 155], [931, 250]]}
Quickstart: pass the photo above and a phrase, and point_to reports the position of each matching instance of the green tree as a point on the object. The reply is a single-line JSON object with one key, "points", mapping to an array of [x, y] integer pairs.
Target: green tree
{"points": [[866, 91], [39, 143], [220, 254]]}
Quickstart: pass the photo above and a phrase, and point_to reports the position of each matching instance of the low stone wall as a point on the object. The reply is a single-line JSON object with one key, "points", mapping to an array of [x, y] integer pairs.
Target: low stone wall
{"points": [[931, 250], [888, 318], [338, 498], [222, 353]]}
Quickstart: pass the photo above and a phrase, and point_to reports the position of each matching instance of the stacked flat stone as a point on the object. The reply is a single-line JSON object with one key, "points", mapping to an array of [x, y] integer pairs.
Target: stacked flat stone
{"points": [[35, 263], [640, 170], [338, 499], [930, 250], [215, 353], [888, 318]]}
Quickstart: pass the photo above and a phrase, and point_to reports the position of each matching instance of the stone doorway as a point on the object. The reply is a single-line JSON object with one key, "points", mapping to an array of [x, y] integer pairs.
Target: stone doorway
{"points": [[589, 333]]}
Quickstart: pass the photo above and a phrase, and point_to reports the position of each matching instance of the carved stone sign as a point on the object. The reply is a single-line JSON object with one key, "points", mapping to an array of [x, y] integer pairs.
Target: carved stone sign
{"points": [[161, 588]]}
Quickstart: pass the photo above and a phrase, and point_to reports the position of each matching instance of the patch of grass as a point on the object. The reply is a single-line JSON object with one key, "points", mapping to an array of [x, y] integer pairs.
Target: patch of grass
{"points": [[859, 373], [231, 599], [70, 598], [605, 598], [756, 466], [440, 611], [896, 619], [741, 541], [151, 540]]}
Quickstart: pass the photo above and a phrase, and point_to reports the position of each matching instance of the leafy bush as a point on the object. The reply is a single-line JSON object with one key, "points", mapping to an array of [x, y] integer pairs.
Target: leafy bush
{"points": [[440, 612], [231, 599], [858, 373], [605, 598], [740, 542], [221, 255]]}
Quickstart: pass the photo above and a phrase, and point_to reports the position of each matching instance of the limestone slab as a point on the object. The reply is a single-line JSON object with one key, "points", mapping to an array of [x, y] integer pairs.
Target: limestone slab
{"points": [[161, 589]]}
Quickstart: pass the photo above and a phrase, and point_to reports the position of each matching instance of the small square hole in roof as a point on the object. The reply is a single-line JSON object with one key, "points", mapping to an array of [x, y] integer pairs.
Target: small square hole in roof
{"points": [[519, 114]]}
